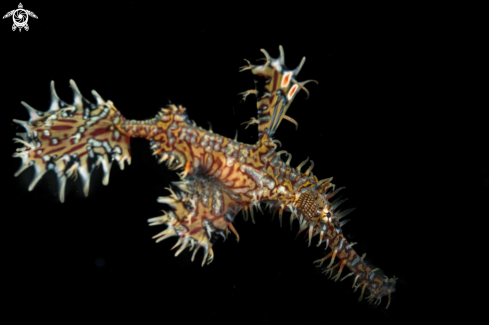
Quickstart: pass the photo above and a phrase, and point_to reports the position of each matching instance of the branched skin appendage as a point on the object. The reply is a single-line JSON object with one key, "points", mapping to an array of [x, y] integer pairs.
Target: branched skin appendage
{"points": [[219, 176]]}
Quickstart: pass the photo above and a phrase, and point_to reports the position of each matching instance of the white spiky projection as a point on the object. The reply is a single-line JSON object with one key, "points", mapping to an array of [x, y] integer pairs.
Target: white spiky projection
{"points": [[220, 176]]}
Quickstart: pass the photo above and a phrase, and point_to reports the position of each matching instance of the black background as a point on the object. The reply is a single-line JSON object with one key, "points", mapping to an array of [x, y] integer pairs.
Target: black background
{"points": [[389, 119]]}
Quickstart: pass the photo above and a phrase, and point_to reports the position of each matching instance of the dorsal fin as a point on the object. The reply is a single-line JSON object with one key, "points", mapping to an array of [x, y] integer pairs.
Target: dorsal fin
{"points": [[275, 89]]}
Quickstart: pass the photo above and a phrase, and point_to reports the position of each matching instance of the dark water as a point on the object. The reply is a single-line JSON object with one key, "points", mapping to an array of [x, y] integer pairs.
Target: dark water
{"points": [[374, 122]]}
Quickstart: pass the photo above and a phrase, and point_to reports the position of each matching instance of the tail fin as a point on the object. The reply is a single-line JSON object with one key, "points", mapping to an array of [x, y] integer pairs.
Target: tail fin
{"points": [[72, 139]]}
